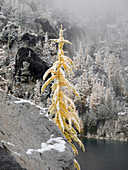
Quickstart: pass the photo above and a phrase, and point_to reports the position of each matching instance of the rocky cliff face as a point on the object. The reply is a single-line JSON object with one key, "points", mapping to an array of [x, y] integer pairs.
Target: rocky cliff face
{"points": [[23, 42], [29, 139], [110, 129]]}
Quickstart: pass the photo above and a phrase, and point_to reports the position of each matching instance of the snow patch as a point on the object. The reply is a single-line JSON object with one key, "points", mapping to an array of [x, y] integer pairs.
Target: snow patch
{"points": [[27, 101], [32, 33], [58, 106], [126, 68], [126, 125], [59, 52], [57, 90], [53, 143], [47, 115], [2, 90], [4, 142], [121, 113], [59, 40], [44, 112], [24, 101], [62, 72], [16, 153]]}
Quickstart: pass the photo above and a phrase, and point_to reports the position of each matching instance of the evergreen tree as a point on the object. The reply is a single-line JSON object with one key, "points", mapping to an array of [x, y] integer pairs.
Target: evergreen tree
{"points": [[107, 108], [53, 48], [118, 84], [53, 51], [37, 93], [97, 95], [98, 60], [46, 47], [79, 60], [88, 61], [112, 67], [25, 73], [46, 50], [83, 86], [87, 50], [90, 75]]}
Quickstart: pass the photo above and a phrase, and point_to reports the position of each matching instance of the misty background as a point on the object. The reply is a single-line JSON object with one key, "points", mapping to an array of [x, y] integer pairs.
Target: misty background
{"points": [[76, 8], [93, 22], [90, 8]]}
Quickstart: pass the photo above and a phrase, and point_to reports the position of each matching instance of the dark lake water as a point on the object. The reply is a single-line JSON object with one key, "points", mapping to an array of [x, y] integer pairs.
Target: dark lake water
{"points": [[103, 155]]}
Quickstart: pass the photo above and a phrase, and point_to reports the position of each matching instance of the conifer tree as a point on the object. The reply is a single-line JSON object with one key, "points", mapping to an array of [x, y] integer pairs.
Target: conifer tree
{"points": [[53, 47], [37, 93], [111, 65], [79, 60], [113, 69], [63, 108], [98, 59], [46, 46], [90, 75], [83, 86], [88, 61], [46, 51], [97, 94], [87, 50]]}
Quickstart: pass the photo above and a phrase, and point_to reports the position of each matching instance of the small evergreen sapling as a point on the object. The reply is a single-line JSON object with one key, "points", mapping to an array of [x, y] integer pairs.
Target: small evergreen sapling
{"points": [[37, 93], [63, 108]]}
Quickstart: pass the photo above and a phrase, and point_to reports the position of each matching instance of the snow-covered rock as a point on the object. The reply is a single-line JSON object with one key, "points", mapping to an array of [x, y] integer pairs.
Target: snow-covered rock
{"points": [[121, 113], [29, 139]]}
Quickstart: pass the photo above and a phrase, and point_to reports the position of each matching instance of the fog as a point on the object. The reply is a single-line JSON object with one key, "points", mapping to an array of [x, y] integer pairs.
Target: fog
{"points": [[83, 9], [90, 20], [90, 8]]}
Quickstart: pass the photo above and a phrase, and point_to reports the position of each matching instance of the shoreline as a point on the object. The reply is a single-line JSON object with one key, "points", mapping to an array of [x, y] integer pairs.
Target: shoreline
{"points": [[103, 138]]}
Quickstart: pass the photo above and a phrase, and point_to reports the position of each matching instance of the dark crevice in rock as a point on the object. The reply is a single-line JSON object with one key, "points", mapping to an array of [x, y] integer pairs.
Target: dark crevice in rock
{"points": [[2, 132], [36, 66], [48, 129]]}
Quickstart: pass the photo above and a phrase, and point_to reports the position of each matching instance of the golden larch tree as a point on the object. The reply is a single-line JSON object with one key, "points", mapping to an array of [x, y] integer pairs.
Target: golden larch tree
{"points": [[62, 108]]}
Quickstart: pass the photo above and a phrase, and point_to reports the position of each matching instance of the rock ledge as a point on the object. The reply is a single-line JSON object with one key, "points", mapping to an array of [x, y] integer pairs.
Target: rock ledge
{"points": [[29, 140]]}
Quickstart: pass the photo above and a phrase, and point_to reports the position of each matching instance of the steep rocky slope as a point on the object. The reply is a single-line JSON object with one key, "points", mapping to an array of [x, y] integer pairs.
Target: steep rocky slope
{"points": [[29, 139]]}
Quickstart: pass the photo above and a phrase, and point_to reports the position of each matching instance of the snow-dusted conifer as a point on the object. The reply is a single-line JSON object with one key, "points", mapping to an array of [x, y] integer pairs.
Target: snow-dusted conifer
{"points": [[98, 60], [46, 50], [37, 93], [83, 86], [46, 47], [79, 60], [53, 47], [62, 106], [111, 65], [90, 74], [88, 61], [87, 50], [97, 94], [53, 51], [107, 94]]}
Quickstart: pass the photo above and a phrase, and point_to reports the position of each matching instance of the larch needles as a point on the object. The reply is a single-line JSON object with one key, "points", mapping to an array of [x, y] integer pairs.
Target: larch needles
{"points": [[62, 107]]}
